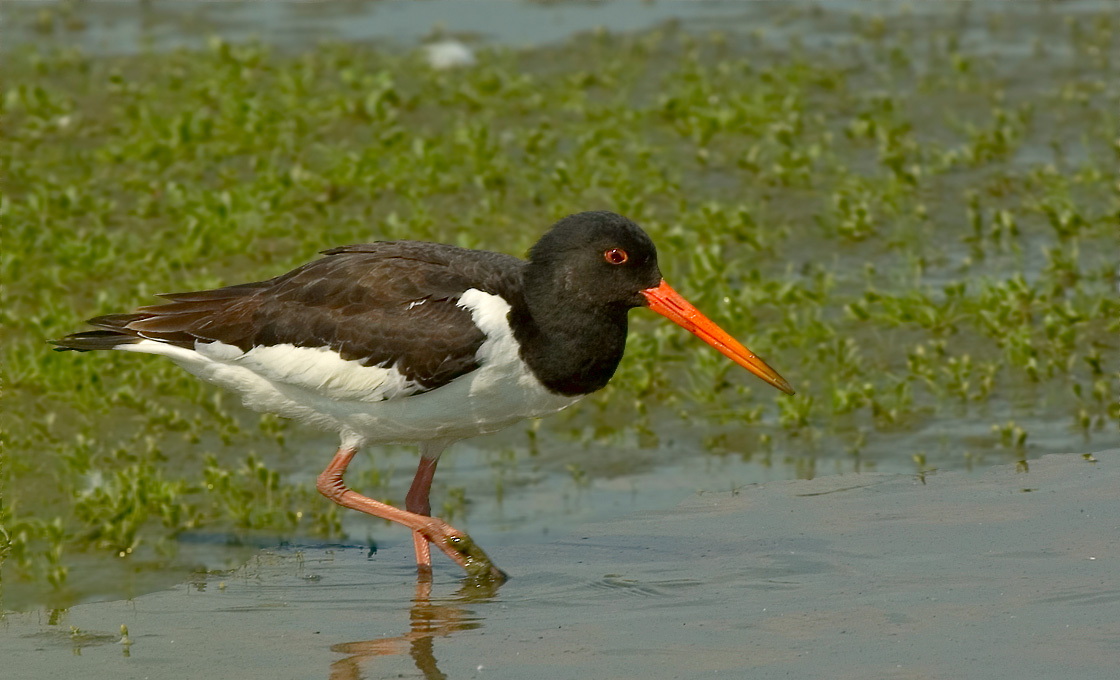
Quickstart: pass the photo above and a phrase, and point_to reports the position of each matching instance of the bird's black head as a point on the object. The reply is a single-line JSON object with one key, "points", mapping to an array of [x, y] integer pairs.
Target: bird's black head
{"points": [[582, 278], [594, 260]]}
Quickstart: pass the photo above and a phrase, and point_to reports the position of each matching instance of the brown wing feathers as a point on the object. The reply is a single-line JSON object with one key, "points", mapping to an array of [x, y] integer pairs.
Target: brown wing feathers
{"points": [[179, 322], [389, 303]]}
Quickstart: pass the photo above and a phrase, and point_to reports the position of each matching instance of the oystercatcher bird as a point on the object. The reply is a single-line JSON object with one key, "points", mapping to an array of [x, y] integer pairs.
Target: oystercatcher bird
{"points": [[404, 341]]}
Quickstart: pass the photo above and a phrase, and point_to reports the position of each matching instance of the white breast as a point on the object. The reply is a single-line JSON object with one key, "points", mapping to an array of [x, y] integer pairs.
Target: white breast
{"points": [[370, 404]]}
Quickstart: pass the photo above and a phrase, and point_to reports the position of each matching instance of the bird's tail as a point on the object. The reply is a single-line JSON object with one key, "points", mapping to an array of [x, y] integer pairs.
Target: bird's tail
{"points": [[113, 332]]}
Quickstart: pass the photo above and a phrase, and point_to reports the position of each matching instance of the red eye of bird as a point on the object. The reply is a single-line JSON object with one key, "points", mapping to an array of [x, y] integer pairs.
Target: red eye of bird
{"points": [[616, 256]]}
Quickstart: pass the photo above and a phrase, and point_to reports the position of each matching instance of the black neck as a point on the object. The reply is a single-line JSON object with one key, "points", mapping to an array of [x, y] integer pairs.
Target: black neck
{"points": [[572, 349]]}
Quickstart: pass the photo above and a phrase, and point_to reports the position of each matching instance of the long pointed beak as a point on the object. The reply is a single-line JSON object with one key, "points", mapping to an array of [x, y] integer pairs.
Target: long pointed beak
{"points": [[668, 302]]}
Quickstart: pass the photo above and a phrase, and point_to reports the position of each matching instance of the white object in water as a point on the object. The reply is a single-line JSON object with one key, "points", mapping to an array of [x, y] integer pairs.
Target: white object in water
{"points": [[448, 54]]}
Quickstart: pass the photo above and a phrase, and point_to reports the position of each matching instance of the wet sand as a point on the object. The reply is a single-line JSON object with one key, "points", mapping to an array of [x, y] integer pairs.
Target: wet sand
{"points": [[999, 573]]}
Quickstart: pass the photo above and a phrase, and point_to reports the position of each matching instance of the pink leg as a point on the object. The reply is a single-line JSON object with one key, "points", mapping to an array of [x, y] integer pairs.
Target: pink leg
{"points": [[454, 543], [417, 501]]}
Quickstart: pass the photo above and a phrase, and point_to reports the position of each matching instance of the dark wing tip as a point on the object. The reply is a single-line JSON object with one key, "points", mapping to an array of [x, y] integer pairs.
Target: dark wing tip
{"points": [[89, 341]]}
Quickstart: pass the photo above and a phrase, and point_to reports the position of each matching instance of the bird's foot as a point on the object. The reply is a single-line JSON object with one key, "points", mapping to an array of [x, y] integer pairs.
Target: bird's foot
{"points": [[464, 551], [476, 563]]}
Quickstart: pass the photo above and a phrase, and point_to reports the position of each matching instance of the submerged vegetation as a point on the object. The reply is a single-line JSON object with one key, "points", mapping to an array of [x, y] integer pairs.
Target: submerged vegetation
{"points": [[923, 237]]}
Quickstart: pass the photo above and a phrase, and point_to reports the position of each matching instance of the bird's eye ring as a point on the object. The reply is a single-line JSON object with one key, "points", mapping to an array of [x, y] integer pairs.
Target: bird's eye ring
{"points": [[616, 256]]}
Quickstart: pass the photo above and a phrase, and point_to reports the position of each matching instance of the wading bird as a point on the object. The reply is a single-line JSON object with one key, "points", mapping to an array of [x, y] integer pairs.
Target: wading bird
{"points": [[403, 341]]}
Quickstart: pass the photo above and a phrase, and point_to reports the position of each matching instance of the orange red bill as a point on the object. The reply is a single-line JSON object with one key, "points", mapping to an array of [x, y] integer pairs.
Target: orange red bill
{"points": [[668, 302]]}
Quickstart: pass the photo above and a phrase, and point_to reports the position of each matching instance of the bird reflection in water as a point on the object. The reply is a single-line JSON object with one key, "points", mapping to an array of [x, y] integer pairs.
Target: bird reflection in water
{"points": [[429, 620]]}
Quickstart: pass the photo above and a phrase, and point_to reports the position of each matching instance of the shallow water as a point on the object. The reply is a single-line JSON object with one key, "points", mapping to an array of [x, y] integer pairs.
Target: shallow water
{"points": [[119, 27], [116, 27], [1003, 573]]}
